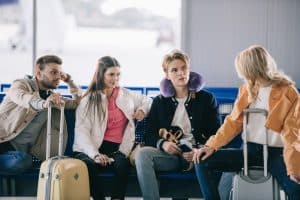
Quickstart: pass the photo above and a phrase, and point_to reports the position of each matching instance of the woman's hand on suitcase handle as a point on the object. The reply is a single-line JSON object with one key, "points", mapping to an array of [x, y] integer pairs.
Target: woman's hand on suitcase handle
{"points": [[202, 153], [295, 178]]}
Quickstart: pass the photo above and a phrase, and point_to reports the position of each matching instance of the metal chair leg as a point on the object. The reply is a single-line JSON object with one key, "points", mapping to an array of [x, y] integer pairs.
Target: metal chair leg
{"points": [[4, 190], [12, 187]]}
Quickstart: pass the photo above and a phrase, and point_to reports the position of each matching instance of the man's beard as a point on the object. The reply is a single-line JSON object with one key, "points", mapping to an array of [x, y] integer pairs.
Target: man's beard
{"points": [[46, 83]]}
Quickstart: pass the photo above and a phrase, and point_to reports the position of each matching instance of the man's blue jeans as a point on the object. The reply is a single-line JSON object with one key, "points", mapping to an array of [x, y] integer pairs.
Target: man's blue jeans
{"points": [[149, 160], [14, 162], [209, 183]]}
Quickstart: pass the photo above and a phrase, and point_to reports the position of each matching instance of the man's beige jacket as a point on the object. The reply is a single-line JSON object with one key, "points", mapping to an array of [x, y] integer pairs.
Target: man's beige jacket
{"points": [[16, 113]]}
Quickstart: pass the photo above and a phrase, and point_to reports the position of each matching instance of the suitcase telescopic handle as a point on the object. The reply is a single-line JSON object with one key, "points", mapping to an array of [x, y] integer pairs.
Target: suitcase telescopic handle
{"points": [[61, 130], [246, 112]]}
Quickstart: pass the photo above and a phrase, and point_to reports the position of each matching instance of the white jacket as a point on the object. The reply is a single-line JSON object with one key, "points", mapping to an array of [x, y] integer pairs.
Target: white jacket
{"points": [[89, 131]]}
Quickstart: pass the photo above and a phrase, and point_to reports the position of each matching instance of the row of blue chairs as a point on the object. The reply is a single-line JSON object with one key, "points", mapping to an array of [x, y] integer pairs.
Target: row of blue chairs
{"points": [[177, 185], [220, 92]]}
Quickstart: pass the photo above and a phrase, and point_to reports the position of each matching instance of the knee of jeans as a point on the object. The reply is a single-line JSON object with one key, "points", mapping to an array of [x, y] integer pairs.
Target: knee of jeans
{"points": [[24, 160], [292, 189], [18, 162], [143, 155], [199, 166]]}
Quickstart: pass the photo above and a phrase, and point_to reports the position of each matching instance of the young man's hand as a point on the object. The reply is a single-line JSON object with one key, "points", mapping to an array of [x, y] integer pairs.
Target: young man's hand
{"points": [[171, 148]]}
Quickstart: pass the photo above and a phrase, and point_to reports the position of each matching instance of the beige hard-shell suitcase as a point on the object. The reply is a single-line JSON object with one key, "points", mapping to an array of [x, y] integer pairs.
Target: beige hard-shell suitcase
{"points": [[61, 177]]}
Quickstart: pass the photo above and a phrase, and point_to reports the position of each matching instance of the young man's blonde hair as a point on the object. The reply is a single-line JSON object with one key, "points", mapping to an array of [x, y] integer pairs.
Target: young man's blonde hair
{"points": [[174, 55], [255, 63]]}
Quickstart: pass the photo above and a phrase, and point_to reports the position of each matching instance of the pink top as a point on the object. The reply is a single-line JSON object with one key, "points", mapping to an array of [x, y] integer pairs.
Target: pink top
{"points": [[117, 121]]}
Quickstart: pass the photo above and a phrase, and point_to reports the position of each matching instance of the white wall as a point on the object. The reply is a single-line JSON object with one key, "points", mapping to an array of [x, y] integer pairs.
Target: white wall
{"points": [[214, 31]]}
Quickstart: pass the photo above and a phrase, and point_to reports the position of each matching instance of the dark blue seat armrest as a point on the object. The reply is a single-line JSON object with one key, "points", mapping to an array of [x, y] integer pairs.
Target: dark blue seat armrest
{"points": [[70, 119], [225, 108], [2, 95], [140, 131]]}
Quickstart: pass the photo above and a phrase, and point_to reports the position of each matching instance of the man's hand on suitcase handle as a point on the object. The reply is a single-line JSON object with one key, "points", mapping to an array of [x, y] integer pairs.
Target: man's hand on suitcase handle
{"points": [[55, 98], [295, 178], [202, 153], [103, 159]]}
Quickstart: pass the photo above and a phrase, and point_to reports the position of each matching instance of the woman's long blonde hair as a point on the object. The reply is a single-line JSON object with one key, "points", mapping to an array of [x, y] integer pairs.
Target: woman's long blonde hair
{"points": [[255, 63]]}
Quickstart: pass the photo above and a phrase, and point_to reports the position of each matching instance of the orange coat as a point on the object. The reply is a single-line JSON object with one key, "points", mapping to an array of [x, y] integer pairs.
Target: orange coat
{"points": [[283, 117]]}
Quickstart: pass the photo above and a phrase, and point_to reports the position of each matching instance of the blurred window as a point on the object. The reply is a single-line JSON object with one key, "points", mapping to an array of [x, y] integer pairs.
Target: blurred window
{"points": [[137, 32], [15, 44]]}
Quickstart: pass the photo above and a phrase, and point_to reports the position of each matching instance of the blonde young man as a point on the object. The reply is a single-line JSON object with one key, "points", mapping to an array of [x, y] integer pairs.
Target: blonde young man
{"points": [[183, 103]]}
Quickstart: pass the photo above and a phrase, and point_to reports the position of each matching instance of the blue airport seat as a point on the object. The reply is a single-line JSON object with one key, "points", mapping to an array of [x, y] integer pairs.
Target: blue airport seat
{"points": [[136, 89], [221, 92], [1, 96], [225, 106], [152, 91], [4, 87], [7, 2]]}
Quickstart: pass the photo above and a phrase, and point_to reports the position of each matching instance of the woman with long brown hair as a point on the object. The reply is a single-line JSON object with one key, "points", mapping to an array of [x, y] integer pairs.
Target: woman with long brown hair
{"points": [[105, 129]]}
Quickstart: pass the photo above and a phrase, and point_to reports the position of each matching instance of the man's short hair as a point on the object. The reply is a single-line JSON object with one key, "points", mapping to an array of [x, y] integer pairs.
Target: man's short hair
{"points": [[42, 61], [174, 55]]}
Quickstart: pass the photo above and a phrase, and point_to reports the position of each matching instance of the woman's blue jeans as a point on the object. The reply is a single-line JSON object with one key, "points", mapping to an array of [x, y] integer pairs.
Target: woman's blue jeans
{"points": [[209, 182], [14, 162]]}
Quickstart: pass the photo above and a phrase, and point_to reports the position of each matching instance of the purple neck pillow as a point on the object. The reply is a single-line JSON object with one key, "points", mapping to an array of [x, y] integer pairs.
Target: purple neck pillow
{"points": [[196, 83]]}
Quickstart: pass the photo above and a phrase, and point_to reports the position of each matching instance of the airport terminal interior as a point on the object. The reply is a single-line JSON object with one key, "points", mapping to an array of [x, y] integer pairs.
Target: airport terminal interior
{"points": [[139, 33]]}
